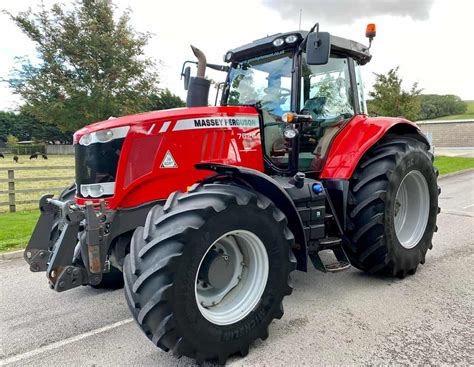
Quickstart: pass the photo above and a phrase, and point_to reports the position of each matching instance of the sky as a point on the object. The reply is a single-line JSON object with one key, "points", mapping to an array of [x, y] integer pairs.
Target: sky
{"points": [[431, 40]]}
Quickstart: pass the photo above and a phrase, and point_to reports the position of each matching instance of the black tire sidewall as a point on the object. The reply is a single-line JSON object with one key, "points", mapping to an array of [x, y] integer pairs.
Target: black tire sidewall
{"points": [[193, 325], [416, 159]]}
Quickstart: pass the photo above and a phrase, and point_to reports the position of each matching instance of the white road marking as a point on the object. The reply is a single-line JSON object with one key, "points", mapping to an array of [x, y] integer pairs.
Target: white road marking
{"points": [[468, 206], [61, 343]]}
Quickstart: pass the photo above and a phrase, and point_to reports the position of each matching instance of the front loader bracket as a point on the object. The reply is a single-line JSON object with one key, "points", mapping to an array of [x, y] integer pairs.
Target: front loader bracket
{"points": [[37, 251]]}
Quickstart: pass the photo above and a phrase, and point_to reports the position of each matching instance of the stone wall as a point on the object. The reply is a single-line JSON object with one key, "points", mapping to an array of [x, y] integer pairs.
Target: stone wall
{"points": [[59, 149], [453, 133]]}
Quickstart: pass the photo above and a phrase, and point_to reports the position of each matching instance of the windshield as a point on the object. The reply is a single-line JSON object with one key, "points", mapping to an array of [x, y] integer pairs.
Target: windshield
{"points": [[265, 79]]}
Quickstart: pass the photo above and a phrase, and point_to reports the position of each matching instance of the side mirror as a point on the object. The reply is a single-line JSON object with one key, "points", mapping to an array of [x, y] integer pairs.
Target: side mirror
{"points": [[318, 46], [186, 74]]}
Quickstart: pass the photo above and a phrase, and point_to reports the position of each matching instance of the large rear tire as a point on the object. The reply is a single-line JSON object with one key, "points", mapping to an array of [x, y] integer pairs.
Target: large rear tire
{"points": [[207, 273], [393, 205]]}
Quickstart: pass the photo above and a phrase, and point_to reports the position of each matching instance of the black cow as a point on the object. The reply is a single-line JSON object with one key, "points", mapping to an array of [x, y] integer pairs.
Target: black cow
{"points": [[15, 158], [34, 156], [1, 155], [44, 156]]}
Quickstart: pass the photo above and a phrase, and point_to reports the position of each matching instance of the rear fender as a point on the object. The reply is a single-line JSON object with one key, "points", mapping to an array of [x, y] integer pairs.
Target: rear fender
{"points": [[357, 137], [270, 188]]}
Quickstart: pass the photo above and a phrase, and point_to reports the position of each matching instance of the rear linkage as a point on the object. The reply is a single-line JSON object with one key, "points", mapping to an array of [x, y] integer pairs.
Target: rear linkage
{"points": [[83, 229]]}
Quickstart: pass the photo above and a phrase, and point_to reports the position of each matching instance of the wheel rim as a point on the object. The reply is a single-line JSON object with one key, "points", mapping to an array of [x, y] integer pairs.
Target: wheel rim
{"points": [[412, 205], [231, 277]]}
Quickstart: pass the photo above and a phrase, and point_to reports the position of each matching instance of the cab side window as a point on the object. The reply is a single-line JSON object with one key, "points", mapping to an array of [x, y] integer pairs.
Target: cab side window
{"points": [[326, 95]]}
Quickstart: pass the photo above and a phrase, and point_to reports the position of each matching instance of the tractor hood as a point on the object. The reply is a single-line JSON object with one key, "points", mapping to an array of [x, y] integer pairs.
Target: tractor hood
{"points": [[171, 114], [134, 159]]}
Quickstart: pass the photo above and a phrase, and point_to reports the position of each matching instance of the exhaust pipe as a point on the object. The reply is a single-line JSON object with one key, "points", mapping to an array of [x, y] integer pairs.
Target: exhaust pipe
{"points": [[198, 90], [201, 72]]}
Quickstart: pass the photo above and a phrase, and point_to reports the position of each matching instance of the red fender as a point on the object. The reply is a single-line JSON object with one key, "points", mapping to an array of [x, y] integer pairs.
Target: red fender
{"points": [[356, 138]]}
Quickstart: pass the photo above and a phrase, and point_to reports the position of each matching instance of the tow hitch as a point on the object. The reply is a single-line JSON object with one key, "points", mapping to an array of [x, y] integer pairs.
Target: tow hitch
{"points": [[81, 226]]}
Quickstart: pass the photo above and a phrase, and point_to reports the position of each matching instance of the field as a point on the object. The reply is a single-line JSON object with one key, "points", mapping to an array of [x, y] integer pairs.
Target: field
{"points": [[468, 115], [24, 161], [15, 228]]}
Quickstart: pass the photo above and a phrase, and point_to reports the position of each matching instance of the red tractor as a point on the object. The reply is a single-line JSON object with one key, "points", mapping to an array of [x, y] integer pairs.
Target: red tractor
{"points": [[207, 210]]}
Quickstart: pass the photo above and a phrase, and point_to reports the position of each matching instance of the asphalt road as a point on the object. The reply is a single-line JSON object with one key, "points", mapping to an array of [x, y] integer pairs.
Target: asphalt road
{"points": [[346, 318]]}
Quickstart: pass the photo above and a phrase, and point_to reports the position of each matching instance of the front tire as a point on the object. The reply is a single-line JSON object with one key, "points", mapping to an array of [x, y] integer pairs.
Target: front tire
{"points": [[393, 205], [176, 283]]}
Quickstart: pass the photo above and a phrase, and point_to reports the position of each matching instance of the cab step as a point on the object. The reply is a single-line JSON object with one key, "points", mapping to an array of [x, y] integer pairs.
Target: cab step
{"points": [[330, 257], [329, 242], [337, 266]]}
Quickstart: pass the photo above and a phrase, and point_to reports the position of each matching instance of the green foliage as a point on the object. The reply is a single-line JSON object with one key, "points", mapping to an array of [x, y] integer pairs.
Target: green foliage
{"points": [[11, 140], [26, 127], [165, 100], [389, 99], [433, 106], [91, 64]]}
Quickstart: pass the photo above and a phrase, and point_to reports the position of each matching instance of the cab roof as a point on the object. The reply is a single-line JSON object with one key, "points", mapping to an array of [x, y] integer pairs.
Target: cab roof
{"points": [[264, 46]]}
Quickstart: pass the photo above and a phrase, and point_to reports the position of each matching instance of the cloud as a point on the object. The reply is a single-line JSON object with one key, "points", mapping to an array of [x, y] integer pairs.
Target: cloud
{"points": [[347, 11]]}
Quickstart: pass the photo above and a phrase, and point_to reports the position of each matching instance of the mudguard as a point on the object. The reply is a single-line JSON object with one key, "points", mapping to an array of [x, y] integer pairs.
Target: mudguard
{"points": [[271, 189], [358, 136]]}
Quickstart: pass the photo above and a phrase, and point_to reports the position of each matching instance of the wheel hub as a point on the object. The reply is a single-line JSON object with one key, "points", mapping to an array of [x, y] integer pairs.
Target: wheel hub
{"points": [[218, 269], [411, 209], [231, 277]]}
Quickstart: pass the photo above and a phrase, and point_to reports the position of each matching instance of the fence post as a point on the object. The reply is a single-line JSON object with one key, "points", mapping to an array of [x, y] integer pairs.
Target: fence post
{"points": [[11, 189]]}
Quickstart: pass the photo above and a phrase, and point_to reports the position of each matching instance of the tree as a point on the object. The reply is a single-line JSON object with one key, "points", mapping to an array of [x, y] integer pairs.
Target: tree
{"points": [[26, 127], [433, 105], [165, 100], [389, 99], [91, 65], [12, 140]]}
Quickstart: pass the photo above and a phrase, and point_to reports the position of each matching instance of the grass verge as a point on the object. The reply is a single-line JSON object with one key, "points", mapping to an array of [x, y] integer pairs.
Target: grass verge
{"points": [[453, 164], [16, 228]]}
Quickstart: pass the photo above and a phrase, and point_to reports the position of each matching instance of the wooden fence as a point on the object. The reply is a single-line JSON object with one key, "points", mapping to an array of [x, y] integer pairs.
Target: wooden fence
{"points": [[12, 190]]}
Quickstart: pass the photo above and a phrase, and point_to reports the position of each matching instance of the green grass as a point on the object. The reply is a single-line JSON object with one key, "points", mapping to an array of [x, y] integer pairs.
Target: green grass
{"points": [[453, 164], [468, 115], [16, 228]]}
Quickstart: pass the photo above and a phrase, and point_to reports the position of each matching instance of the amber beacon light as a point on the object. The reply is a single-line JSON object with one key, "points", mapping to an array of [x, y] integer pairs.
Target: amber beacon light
{"points": [[370, 31]]}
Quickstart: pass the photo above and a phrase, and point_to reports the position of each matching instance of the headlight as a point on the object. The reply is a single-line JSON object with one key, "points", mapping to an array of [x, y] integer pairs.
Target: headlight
{"points": [[85, 139], [97, 190], [104, 136], [228, 56], [278, 42], [289, 133], [291, 39]]}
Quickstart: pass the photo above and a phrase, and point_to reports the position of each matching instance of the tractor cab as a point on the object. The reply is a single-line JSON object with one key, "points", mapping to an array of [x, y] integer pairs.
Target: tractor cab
{"points": [[311, 74], [312, 77]]}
